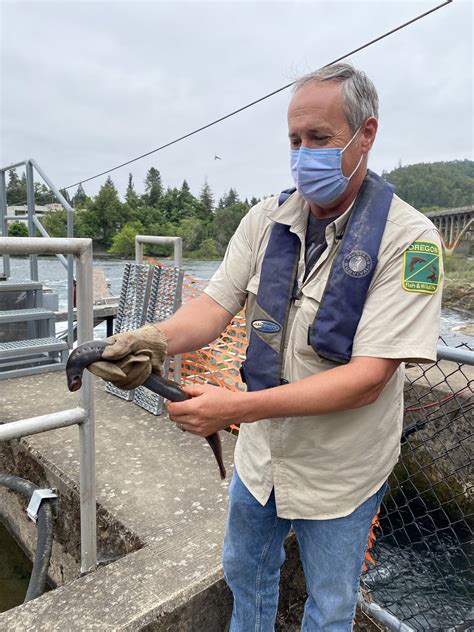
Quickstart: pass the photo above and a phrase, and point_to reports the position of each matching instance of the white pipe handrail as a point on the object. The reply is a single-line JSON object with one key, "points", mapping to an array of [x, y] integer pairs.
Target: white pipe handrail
{"points": [[42, 423], [81, 249], [159, 240]]}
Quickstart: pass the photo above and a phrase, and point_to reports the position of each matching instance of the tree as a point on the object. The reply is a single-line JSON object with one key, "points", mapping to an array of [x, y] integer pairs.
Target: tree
{"points": [[16, 189], [131, 197], [207, 250], [177, 204], [18, 229], [206, 198], [55, 222], [43, 195], [105, 215], [153, 187], [225, 224], [228, 199], [66, 196], [80, 198], [435, 184], [192, 230], [123, 243]]}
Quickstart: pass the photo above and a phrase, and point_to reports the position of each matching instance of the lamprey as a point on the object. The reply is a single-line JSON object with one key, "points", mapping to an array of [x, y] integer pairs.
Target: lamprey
{"points": [[90, 352]]}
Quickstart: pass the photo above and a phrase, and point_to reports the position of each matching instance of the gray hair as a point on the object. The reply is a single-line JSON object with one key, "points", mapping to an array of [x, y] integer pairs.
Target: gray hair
{"points": [[358, 92]]}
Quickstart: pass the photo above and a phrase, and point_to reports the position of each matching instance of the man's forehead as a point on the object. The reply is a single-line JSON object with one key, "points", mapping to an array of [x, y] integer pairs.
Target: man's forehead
{"points": [[322, 99]]}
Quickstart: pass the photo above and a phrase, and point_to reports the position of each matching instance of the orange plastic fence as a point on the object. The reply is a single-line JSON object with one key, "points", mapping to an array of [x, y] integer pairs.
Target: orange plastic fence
{"points": [[219, 362]]}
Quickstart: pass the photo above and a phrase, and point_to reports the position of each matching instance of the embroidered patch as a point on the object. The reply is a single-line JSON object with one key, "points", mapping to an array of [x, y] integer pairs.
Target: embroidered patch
{"points": [[421, 267], [357, 263], [266, 326]]}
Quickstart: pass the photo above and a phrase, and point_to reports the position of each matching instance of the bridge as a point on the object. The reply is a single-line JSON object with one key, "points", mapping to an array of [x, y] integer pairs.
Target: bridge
{"points": [[456, 227]]}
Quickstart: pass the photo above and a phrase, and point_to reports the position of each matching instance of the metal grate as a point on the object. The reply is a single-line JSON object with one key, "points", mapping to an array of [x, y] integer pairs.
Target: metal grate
{"points": [[165, 298], [131, 310], [424, 569]]}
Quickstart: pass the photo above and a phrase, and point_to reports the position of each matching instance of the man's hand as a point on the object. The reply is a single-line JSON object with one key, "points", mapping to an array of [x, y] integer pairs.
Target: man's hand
{"points": [[131, 357], [211, 408], [128, 373]]}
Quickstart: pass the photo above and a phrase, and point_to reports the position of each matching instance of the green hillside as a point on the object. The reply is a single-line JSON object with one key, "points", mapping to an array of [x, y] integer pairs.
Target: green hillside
{"points": [[431, 185]]}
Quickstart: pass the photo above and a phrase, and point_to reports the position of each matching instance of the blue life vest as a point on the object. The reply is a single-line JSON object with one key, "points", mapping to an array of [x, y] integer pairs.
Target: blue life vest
{"points": [[332, 332]]}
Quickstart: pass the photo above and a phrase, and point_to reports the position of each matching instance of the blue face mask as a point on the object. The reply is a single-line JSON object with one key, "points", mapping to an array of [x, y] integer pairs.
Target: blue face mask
{"points": [[318, 173]]}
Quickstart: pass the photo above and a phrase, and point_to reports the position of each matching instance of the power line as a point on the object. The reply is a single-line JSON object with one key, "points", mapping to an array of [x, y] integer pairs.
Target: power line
{"points": [[267, 96]]}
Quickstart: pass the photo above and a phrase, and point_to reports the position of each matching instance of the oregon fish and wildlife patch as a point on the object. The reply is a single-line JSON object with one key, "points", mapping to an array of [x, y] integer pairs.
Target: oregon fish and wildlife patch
{"points": [[421, 267]]}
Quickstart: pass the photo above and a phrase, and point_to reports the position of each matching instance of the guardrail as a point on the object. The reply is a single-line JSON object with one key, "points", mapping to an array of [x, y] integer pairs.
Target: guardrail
{"points": [[83, 415], [177, 243], [35, 224]]}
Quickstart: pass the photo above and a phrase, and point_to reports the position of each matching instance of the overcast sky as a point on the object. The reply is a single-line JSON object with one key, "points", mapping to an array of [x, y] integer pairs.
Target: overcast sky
{"points": [[88, 85]]}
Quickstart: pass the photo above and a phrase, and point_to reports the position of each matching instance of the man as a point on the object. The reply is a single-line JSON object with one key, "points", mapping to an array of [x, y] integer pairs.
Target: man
{"points": [[334, 277]]}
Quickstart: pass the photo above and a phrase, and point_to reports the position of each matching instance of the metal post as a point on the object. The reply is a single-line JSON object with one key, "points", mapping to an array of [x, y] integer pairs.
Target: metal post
{"points": [[30, 199], [70, 260], [138, 250], [3, 221], [85, 324]]}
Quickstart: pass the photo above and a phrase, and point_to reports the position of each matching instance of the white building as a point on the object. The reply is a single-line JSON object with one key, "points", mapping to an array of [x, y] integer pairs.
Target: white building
{"points": [[20, 213]]}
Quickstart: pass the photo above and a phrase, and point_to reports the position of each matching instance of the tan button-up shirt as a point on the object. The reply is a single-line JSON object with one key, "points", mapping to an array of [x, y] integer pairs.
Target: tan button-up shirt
{"points": [[325, 466]]}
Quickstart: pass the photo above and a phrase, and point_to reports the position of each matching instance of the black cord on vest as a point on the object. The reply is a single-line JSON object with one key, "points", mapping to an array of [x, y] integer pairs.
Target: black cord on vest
{"points": [[267, 96]]}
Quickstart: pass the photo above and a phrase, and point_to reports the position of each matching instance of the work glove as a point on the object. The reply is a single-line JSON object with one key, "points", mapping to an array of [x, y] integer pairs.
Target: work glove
{"points": [[131, 357]]}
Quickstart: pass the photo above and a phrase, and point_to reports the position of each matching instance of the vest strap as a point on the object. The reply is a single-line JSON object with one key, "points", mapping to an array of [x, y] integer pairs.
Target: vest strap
{"points": [[332, 333], [262, 367]]}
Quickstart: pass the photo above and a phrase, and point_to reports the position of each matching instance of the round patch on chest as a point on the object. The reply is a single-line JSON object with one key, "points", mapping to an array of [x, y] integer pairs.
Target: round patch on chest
{"points": [[357, 263]]}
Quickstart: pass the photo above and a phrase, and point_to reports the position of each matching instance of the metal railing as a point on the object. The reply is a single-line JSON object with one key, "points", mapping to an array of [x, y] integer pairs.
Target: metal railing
{"points": [[34, 224], [423, 571], [157, 240], [83, 415]]}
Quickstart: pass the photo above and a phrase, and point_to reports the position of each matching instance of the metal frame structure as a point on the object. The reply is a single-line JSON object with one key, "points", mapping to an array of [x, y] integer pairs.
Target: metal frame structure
{"points": [[34, 224], [177, 242], [83, 415]]}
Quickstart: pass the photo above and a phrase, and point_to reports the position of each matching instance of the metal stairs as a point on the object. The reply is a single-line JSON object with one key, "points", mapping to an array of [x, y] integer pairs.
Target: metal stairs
{"points": [[27, 332]]}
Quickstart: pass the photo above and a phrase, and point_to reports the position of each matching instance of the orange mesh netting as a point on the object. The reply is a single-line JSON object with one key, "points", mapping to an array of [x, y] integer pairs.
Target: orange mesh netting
{"points": [[219, 362]]}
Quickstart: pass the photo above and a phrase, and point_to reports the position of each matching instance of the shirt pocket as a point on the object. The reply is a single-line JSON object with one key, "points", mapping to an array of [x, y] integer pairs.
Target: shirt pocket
{"points": [[251, 289]]}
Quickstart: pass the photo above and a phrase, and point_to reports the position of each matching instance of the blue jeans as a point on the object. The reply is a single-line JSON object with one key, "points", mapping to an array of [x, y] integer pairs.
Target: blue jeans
{"points": [[332, 553]]}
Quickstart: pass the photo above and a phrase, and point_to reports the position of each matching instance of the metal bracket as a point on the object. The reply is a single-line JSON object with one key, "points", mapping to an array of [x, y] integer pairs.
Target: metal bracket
{"points": [[36, 499]]}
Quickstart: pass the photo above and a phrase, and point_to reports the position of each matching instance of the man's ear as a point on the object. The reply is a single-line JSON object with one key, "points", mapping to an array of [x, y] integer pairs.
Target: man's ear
{"points": [[368, 134]]}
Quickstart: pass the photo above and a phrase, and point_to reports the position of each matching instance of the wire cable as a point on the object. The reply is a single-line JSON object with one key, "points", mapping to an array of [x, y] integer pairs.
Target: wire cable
{"points": [[259, 100]]}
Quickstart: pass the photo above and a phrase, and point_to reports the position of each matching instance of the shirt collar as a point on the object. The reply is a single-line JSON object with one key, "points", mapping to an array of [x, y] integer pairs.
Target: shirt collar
{"points": [[294, 213]]}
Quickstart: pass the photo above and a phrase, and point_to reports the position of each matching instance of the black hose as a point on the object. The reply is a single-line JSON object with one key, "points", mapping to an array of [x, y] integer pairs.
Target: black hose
{"points": [[44, 541]]}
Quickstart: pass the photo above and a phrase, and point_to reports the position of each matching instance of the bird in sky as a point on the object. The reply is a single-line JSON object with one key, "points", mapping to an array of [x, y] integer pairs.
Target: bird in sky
{"points": [[216, 157]]}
